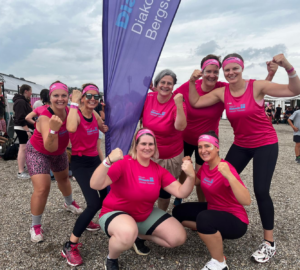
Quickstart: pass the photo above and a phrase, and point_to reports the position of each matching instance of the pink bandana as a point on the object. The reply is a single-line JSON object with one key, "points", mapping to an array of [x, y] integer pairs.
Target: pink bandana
{"points": [[90, 87], [233, 60], [57, 86], [210, 139], [142, 132], [210, 62]]}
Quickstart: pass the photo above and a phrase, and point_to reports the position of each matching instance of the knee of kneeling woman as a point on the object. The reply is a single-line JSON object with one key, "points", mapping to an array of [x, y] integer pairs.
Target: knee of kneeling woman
{"points": [[178, 239], [127, 235]]}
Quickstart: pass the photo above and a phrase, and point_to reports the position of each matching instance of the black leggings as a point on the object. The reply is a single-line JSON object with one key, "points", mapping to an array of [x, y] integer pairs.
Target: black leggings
{"points": [[264, 162], [189, 149], [210, 221], [83, 168]]}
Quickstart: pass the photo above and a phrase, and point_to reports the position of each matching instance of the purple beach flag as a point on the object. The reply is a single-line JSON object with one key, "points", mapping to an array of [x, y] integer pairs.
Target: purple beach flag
{"points": [[133, 35]]}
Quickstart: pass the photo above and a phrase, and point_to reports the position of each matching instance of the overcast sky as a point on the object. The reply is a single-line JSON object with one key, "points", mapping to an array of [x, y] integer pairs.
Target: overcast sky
{"points": [[61, 39]]}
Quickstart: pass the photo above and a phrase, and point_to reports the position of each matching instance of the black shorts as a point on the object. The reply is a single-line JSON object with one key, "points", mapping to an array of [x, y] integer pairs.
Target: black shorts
{"points": [[189, 150], [22, 136], [296, 139]]}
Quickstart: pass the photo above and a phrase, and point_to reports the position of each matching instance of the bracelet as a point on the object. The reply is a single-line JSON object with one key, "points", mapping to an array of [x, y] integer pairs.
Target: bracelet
{"points": [[74, 104], [53, 131], [73, 107], [109, 160], [106, 164], [290, 70], [293, 76]]}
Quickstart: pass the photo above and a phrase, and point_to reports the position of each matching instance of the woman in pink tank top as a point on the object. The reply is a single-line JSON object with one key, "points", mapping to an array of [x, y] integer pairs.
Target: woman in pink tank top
{"points": [[255, 137], [47, 150], [83, 124]]}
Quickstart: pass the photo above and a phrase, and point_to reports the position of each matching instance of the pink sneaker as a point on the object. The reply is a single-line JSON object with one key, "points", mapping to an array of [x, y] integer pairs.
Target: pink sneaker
{"points": [[93, 226], [71, 253], [36, 233], [74, 208]]}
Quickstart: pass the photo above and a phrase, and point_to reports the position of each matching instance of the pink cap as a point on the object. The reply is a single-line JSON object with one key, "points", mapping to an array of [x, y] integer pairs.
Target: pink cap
{"points": [[210, 139], [88, 88], [210, 62], [233, 60], [56, 86], [142, 132]]}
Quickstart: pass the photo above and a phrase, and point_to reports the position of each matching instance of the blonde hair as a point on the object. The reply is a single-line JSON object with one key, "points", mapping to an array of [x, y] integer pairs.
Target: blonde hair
{"points": [[132, 151]]}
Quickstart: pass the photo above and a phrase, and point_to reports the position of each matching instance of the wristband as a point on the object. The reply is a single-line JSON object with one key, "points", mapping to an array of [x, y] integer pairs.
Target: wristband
{"points": [[293, 76], [290, 70], [53, 131], [106, 164], [109, 160], [73, 107], [74, 104]]}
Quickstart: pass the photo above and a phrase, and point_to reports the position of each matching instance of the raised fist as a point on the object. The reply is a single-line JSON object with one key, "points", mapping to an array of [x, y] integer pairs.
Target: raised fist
{"points": [[188, 168], [281, 61], [76, 96], [178, 99], [104, 128], [272, 67], [196, 75], [55, 123], [116, 154], [224, 169]]}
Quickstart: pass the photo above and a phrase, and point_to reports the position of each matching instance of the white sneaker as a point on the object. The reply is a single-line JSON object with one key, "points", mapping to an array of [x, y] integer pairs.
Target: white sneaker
{"points": [[264, 253], [36, 233], [74, 208], [216, 265], [23, 175]]}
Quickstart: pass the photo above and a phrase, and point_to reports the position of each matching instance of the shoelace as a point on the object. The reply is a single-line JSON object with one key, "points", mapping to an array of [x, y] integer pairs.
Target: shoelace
{"points": [[92, 225], [264, 248], [75, 204], [38, 229], [75, 251]]}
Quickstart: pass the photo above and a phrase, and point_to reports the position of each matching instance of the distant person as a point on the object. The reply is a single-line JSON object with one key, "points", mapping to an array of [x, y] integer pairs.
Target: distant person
{"points": [[295, 117], [22, 128], [269, 112], [43, 95], [2, 114], [277, 113], [288, 113]]}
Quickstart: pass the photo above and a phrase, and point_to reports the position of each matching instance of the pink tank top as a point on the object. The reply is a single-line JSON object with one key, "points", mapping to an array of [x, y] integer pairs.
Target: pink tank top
{"points": [[84, 140], [39, 110], [249, 122], [63, 137]]}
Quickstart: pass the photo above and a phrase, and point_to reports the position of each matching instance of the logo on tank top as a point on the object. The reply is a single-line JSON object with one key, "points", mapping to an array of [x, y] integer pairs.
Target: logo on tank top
{"points": [[144, 180], [62, 133], [157, 114], [92, 131], [240, 108], [208, 181]]}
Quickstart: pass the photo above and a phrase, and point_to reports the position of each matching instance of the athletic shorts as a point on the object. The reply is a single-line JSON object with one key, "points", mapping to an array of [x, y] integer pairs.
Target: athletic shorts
{"points": [[146, 227], [100, 134], [22, 136], [296, 139], [189, 149], [38, 163]]}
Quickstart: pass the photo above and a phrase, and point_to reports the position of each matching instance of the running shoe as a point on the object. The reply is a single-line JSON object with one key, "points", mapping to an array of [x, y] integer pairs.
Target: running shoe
{"points": [[93, 226], [111, 264], [264, 253], [23, 175], [298, 160], [177, 201], [140, 248], [36, 233], [74, 208], [216, 265], [71, 253]]}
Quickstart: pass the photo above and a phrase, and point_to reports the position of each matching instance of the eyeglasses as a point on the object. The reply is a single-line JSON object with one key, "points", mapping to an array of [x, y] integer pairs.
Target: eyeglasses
{"points": [[90, 96]]}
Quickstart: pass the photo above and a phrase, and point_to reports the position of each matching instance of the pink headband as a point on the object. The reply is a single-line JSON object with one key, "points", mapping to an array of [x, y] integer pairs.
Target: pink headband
{"points": [[142, 132], [210, 62], [90, 87], [210, 139], [233, 60], [57, 86]]}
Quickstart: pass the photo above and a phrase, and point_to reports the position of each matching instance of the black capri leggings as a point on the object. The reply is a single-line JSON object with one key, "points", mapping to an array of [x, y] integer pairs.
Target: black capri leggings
{"points": [[210, 221], [83, 168], [264, 162]]}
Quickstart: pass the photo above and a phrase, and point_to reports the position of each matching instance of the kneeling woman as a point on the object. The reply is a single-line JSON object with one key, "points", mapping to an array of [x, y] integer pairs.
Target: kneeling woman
{"points": [[128, 211], [223, 215]]}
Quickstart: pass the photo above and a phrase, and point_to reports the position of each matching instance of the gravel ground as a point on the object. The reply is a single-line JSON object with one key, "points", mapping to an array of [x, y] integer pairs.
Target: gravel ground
{"points": [[17, 251]]}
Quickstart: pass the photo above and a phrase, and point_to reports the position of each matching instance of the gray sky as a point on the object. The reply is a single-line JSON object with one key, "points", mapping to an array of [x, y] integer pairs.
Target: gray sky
{"points": [[43, 41]]}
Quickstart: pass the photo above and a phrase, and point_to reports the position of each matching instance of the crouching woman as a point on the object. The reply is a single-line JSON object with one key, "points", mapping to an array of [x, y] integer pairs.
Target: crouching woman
{"points": [[128, 215]]}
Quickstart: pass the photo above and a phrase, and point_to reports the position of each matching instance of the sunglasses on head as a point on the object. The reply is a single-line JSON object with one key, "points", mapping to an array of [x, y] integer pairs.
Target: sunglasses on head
{"points": [[89, 96]]}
